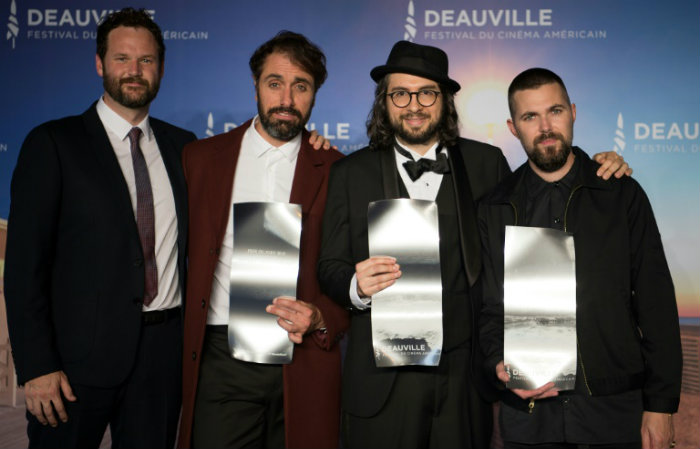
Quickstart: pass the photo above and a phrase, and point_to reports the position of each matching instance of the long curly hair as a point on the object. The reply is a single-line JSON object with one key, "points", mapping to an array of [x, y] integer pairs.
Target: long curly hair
{"points": [[380, 132]]}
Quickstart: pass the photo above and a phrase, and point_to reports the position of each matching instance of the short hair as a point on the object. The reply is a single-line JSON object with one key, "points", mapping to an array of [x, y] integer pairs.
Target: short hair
{"points": [[128, 17], [380, 132], [299, 49], [532, 79]]}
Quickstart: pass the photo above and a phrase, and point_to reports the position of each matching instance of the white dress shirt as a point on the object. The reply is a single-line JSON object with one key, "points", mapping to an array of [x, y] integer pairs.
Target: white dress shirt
{"points": [[263, 173], [424, 188], [169, 294]]}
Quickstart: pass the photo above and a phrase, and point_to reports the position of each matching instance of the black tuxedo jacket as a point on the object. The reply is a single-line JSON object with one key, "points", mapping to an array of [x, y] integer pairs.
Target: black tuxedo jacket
{"points": [[370, 175], [74, 276]]}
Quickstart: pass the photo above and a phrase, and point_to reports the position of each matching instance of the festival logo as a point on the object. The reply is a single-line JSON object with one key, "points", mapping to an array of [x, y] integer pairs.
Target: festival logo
{"points": [[491, 24], [619, 139], [410, 26], [658, 137], [209, 132], [12, 24], [72, 25]]}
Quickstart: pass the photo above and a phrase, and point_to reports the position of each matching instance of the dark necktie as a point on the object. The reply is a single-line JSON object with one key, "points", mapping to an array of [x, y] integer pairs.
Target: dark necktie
{"points": [[415, 169], [145, 217]]}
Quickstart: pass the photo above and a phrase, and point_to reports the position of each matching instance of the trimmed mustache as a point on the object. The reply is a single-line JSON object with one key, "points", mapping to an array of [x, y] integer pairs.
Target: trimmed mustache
{"points": [[282, 109], [549, 135], [133, 79], [412, 115]]}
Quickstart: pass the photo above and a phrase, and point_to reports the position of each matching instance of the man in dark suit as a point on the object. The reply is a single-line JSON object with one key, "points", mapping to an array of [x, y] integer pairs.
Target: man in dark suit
{"points": [[413, 117], [229, 402], [96, 257]]}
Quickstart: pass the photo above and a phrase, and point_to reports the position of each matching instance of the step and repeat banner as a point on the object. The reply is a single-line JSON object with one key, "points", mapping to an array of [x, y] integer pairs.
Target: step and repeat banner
{"points": [[632, 68]]}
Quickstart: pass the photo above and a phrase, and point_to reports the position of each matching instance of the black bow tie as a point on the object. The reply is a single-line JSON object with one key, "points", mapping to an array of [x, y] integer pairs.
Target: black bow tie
{"points": [[415, 169]]}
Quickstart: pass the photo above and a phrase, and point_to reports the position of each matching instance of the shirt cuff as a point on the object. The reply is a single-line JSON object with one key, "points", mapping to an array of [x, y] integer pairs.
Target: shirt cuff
{"points": [[359, 303]]}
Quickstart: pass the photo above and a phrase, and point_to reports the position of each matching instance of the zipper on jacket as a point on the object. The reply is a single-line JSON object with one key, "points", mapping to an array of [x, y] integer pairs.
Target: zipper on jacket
{"points": [[583, 368], [578, 346], [566, 209], [515, 212]]}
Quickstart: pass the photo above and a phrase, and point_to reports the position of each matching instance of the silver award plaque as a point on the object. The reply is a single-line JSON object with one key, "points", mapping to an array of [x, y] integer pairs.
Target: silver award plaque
{"points": [[407, 316], [265, 265], [539, 302]]}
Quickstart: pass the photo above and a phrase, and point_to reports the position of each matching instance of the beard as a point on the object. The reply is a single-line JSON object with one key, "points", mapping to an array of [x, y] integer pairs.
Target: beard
{"points": [[127, 97], [284, 130], [415, 137], [550, 158]]}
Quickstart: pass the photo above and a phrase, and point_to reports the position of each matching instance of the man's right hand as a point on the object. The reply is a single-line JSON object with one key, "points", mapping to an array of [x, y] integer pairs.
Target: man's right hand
{"points": [[375, 274], [43, 396], [545, 391]]}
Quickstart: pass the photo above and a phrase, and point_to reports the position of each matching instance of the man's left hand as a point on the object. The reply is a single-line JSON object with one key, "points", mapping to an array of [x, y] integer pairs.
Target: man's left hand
{"points": [[296, 317], [318, 141], [611, 164], [657, 430]]}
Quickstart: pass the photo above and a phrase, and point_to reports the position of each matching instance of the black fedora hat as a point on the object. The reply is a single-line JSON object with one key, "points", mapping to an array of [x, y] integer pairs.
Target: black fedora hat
{"points": [[415, 59]]}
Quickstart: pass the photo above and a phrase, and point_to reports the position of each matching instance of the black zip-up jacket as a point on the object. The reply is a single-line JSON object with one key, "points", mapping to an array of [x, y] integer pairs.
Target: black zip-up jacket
{"points": [[626, 318]]}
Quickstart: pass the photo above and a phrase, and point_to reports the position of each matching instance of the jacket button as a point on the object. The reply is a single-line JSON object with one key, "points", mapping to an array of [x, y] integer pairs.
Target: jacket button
{"points": [[204, 303], [211, 251], [194, 356]]}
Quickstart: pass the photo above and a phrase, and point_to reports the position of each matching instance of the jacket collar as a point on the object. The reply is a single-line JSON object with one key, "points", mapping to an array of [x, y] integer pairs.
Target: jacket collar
{"points": [[508, 190]]}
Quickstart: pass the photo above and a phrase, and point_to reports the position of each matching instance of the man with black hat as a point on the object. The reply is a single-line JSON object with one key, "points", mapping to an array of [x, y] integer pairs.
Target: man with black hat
{"points": [[413, 119]]}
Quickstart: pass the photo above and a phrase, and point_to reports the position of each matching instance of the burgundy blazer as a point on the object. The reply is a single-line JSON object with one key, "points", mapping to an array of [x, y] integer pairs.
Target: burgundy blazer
{"points": [[312, 380]]}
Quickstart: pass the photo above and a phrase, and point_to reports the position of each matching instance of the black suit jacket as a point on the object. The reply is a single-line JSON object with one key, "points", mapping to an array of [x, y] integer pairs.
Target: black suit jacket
{"points": [[74, 274], [370, 175]]}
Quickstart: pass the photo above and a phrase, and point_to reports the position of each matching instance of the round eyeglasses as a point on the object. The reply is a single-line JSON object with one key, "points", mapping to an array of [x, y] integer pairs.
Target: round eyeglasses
{"points": [[425, 97]]}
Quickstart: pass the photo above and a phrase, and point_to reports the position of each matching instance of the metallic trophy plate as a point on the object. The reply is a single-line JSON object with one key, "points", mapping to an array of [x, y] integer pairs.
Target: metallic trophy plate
{"points": [[539, 308], [407, 316], [265, 265]]}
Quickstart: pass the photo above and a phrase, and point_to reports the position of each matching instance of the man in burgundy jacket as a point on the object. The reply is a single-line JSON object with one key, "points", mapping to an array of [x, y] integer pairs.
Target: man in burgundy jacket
{"points": [[228, 402]]}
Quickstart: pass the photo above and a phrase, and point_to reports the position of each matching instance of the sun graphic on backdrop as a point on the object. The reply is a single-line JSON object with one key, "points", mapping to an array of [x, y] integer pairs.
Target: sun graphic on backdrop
{"points": [[483, 109]]}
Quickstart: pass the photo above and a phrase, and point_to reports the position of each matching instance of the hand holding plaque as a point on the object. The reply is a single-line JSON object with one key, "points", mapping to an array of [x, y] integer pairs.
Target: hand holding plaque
{"points": [[297, 317], [375, 274], [547, 390]]}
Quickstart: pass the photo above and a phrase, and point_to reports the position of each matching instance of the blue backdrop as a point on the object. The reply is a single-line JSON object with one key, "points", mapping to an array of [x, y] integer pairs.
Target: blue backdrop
{"points": [[632, 68]]}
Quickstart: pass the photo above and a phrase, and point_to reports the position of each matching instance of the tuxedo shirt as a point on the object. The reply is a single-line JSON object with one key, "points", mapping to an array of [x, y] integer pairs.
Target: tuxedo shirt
{"points": [[424, 188]]}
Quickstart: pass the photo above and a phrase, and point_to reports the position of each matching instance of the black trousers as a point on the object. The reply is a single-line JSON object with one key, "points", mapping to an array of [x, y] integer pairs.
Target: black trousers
{"points": [[428, 407], [238, 404], [142, 412]]}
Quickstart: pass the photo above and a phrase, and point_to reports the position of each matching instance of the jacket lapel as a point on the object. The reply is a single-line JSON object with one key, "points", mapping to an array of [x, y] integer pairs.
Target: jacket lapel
{"points": [[308, 176], [466, 215], [390, 177], [221, 177], [100, 146]]}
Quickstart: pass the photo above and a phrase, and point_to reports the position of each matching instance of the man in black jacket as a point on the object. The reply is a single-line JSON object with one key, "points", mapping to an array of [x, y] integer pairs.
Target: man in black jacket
{"points": [[629, 354], [413, 116], [96, 250]]}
